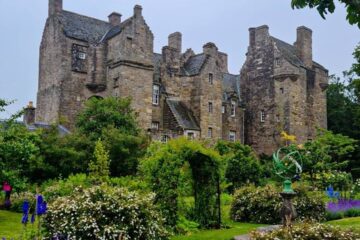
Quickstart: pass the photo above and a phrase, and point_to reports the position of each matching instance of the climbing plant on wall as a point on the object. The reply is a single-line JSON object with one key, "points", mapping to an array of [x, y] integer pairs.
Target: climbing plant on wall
{"points": [[164, 167]]}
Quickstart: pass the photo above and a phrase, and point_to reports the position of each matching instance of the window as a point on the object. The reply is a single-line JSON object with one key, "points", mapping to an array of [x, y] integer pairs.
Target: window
{"points": [[277, 62], [233, 107], [232, 136], [211, 78], [82, 55], [210, 132], [210, 107], [281, 90], [190, 135], [223, 109], [156, 94], [155, 125], [116, 82], [262, 116], [165, 138]]}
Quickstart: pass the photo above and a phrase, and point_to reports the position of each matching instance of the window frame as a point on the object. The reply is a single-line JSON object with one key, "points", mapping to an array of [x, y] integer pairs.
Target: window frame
{"points": [[155, 125], [210, 132], [232, 136], [211, 78], [233, 108], [156, 95], [210, 107], [262, 116]]}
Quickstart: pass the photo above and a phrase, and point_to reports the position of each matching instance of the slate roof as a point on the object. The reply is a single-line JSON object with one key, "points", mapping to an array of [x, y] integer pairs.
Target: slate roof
{"points": [[85, 28], [62, 130], [231, 85], [194, 65], [288, 51], [183, 115]]}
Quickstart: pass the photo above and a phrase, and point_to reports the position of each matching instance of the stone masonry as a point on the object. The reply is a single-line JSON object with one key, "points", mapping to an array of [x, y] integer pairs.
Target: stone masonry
{"points": [[176, 92]]}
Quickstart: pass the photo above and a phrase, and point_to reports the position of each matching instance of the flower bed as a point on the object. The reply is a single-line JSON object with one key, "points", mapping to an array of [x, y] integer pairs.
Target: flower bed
{"points": [[342, 208]]}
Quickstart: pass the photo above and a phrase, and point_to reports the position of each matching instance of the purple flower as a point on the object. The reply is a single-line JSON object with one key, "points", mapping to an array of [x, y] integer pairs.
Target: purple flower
{"points": [[26, 207], [25, 218], [41, 205], [343, 205]]}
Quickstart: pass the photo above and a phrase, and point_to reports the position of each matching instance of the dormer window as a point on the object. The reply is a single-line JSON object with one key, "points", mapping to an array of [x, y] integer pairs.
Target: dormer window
{"points": [[211, 78], [156, 95], [233, 108]]}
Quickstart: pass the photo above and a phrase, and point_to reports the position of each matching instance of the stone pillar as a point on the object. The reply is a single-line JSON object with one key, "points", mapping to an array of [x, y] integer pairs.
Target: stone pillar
{"points": [[303, 45], [29, 114], [115, 19], [210, 49], [137, 11], [55, 7]]}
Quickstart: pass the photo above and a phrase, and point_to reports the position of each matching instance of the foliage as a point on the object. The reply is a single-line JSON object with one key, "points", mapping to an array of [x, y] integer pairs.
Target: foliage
{"points": [[99, 166], [262, 205], [243, 167], [17, 200], [325, 6], [307, 231], [104, 212], [165, 168]]}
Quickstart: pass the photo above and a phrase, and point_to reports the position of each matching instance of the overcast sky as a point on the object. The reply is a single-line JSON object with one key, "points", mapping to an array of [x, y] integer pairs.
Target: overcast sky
{"points": [[224, 22]]}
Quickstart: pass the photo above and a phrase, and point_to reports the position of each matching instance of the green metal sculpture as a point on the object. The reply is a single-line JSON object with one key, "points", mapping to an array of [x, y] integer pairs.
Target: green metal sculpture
{"points": [[287, 165]]}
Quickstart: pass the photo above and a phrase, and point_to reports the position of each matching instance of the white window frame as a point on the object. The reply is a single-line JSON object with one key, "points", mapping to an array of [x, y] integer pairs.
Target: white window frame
{"points": [[232, 136], [81, 55], [156, 94], [262, 116], [165, 138], [233, 108], [155, 125]]}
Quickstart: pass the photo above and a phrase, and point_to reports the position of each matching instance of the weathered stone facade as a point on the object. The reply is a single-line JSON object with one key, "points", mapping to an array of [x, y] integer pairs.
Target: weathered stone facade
{"points": [[179, 93]]}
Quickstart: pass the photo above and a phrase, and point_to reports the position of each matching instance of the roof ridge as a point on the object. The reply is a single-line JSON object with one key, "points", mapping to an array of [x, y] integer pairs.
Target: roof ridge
{"points": [[81, 15]]}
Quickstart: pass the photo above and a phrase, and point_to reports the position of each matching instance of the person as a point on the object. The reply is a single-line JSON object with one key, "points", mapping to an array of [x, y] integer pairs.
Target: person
{"points": [[7, 189]]}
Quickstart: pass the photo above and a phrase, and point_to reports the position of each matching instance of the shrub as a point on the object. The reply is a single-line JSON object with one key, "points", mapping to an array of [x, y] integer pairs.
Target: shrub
{"points": [[17, 200], [307, 231], [104, 212], [262, 205]]}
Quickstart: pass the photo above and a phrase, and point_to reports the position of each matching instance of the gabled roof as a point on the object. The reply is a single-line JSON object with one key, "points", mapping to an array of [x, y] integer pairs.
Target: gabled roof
{"points": [[183, 115], [84, 28], [288, 51], [194, 65], [230, 85], [61, 129]]}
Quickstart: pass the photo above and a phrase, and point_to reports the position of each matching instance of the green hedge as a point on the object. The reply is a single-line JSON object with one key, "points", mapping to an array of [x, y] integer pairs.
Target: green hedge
{"points": [[262, 205]]}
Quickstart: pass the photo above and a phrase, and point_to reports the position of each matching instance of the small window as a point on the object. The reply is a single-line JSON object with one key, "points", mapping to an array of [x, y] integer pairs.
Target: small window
{"points": [[277, 62], [211, 78], [116, 82], [155, 125], [281, 90], [165, 138], [232, 136], [262, 116], [210, 107], [190, 135], [156, 95], [82, 55], [210, 132], [223, 109], [233, 107]]}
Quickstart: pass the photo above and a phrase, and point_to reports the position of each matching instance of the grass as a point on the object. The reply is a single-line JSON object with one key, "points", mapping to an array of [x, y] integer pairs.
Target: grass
{"points": [[347, 223], [10, 224]]}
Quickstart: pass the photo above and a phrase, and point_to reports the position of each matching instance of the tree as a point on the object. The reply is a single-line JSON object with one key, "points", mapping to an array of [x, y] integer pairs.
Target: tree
{"points": [[99, 166], [325, 6]]}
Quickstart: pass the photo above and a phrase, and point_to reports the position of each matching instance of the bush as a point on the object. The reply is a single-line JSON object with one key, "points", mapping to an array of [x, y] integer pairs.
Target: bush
{"points": [[17, 200], [307, 231], [262, 205], [104, 212]]}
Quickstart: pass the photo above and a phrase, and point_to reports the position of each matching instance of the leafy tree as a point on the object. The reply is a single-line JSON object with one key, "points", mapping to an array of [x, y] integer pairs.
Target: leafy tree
{"points": [[99, 166], [325, 6], [243, 167]]}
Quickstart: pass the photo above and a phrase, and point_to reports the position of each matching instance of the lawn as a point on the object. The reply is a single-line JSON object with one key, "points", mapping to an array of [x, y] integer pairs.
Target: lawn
{"points": [[347, 223], [10, 225]]}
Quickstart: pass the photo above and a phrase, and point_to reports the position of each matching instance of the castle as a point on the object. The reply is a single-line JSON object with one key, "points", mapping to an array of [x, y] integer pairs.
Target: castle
{"points": [[178, 92]]}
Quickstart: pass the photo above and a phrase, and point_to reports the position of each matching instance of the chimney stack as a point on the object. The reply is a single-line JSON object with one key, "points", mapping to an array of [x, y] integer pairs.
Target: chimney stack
{"points": [[210, 49], [303, 45], [137, 11], [258, 35], [29, 114], [55, 7], [174, 41], [115, 19]]}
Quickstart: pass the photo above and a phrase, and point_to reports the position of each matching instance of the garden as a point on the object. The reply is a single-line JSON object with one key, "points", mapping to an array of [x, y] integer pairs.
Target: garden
{"points": [[108, 180]]}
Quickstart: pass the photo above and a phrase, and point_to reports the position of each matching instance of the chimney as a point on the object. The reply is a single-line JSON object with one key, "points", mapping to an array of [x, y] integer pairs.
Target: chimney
{"points": [[55, 7], [175, 41], [137, 11], [303, 45], [29, 114], [115, 19], [258, 35], [210, 49]]}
